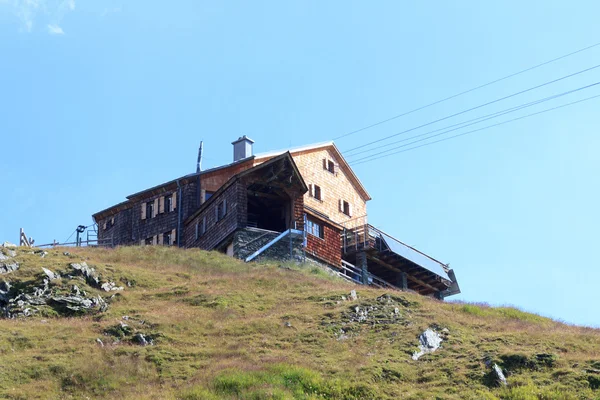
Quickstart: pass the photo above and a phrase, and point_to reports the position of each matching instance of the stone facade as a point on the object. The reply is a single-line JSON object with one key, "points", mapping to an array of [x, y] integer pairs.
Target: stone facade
{"points": [[249, 240]]}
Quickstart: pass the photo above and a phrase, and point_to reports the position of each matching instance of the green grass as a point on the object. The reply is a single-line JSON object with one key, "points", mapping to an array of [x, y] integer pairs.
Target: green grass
{"points": [[228, 330]]}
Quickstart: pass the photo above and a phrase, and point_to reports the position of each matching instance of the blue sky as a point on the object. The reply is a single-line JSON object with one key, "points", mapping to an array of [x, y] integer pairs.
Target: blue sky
{"points": [[102, 99]]}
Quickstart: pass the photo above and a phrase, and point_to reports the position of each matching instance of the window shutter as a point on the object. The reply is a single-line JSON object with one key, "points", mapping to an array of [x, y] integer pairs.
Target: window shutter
{"points": [[143, 210], [174, 236], [341, 205], [322, 195], [197, 227], [203, 225], [202, 196], [161, 239], [155, 208], [224, 207], [104, 225], [217, 212], [112, 221], [161, 205], [142, 242], [311, 190], [324, 163], [154, 240], [174, 201], [349, 209]]}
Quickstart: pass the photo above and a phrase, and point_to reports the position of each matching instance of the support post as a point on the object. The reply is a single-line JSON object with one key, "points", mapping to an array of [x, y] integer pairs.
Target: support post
{"points": [[361, 263], [402, 281]]}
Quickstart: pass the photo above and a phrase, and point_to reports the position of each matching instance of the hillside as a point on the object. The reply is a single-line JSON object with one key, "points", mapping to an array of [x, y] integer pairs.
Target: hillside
{"points": [[189, 324]]}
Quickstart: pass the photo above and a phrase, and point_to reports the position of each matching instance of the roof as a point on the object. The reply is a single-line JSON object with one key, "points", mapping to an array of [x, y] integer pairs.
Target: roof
{"points": [[298, 149], [315, 146], [247, 172]]}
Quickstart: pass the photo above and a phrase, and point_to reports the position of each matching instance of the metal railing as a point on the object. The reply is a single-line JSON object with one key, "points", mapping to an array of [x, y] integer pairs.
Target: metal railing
{"points": [[81, 243], [353, 274]]}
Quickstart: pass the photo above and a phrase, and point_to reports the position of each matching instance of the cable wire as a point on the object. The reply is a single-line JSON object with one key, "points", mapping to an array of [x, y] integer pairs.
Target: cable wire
{"points": [[468, 91], [475, 130], [477, 120], [476, 107]]}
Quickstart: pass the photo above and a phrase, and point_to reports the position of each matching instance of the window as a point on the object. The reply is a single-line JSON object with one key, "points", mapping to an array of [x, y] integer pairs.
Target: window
{"points": [[316, 192], [346, 208], [167, 238], [200, 228], [207, 195], [150, 209], [168, 203], [329, 165], [314, 228], [221, 210]]}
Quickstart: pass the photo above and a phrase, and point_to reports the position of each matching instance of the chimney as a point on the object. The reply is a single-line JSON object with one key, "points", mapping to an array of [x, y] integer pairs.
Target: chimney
{"points": [[242, 148]]}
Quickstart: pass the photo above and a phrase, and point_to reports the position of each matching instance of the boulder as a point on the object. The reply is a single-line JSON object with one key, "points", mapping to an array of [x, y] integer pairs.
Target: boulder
{"points": [[51, 275], [429, 341], [9, 244], [353, 296]]}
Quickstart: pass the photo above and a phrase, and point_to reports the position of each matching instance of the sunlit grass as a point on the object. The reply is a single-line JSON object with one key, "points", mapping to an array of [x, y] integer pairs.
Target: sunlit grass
{"points": [[229, 330]]}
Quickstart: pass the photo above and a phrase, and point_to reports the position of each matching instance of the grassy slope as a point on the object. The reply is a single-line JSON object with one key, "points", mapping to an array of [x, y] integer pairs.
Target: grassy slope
{"points": [[220, 333]]}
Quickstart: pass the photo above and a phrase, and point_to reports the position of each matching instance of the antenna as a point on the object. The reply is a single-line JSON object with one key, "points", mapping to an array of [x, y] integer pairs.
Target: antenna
{"points": [[199, 164]]}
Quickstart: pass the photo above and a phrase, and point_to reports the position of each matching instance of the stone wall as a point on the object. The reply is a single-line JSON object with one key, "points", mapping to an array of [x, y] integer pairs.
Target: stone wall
{"points": [[249, 240]]}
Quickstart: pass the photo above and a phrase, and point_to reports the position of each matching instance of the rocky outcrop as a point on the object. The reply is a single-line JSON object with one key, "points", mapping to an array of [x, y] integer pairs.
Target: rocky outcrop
{"points": [[47, 292]]}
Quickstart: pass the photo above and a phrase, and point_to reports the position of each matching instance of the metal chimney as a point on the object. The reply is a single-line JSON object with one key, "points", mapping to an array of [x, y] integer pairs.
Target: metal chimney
{"points": [[242, 148]]}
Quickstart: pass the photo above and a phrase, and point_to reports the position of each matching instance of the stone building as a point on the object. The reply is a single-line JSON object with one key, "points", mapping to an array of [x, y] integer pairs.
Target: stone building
{"points": [[304, 202]]}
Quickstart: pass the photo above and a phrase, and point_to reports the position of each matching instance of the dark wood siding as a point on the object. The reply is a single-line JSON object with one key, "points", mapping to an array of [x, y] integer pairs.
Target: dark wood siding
{"points": [[327, 249], [218, 231]]}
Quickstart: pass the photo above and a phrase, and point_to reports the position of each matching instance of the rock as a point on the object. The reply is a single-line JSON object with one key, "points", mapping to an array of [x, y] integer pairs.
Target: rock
{"points": [[66, 253], [429, 341], [3, 257], [343, 298], [126, 317], [445, 330], [287, 324], [11, 253], [353, 296], [44, 254], [100, 342], [142, 340], [51, 275], [499, 375], [110, 286], [341, 335], [88, 273], [6, 267], [8, 244]]}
